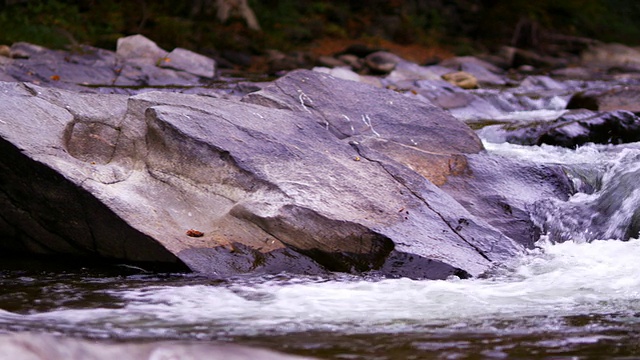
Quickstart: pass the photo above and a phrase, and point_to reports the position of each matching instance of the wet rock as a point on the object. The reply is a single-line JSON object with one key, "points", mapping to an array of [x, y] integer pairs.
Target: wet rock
{"points": [[615, 127], [28, 346], [280, 181], [461, 79], [382, 62], [501, 191], [577, 128], [612, 213], [616, 98]]}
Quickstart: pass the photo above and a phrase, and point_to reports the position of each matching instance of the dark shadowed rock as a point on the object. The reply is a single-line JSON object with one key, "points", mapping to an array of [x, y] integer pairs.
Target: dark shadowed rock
{"points": [[578, 127], [616, 98], [523, 57], [27, 346], [382, 62]]}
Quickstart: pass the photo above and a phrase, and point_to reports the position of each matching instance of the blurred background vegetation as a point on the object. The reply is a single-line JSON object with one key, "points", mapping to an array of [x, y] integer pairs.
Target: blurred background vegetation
{"points": [[460, 26]]}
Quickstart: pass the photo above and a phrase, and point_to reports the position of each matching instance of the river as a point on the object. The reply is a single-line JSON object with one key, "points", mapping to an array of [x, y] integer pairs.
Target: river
{"points": [[575, 296]]}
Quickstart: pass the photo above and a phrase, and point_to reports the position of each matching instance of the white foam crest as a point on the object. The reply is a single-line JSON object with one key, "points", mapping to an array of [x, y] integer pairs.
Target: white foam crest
{"points": [[561, 279], [549, 154]]}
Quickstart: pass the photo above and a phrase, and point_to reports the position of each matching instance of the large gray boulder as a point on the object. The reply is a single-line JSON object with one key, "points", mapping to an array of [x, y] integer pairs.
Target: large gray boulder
{"points": [[310, 174]]}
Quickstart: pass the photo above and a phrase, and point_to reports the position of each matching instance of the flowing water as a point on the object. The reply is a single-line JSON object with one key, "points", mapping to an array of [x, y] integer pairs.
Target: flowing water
{"points": [[575, 296]]}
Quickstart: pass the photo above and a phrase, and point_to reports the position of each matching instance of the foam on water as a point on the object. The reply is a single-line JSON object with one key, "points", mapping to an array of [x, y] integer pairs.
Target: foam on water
{"points": [[554, 280]]}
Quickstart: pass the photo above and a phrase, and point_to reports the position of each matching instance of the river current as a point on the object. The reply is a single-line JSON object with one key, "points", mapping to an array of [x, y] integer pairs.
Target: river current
{"points": [[575, 296]]}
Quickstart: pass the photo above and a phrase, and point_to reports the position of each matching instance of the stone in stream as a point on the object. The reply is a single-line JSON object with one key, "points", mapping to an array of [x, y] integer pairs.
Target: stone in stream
{"points": [[309, 174], [574, 128], [616, 98], [484, 72]]}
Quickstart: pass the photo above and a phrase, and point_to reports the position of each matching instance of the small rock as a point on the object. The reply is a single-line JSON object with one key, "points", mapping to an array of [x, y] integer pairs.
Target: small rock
{"points": [[139, 47], [578, 127], [330, 61], [485, 72], [617, 98], [188, 61], [355, 62], [462, 79], [5, 51], [382, 62]]}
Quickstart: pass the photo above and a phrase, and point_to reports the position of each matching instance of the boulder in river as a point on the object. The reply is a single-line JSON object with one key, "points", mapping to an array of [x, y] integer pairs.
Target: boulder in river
{"points": [[310, 174]]}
